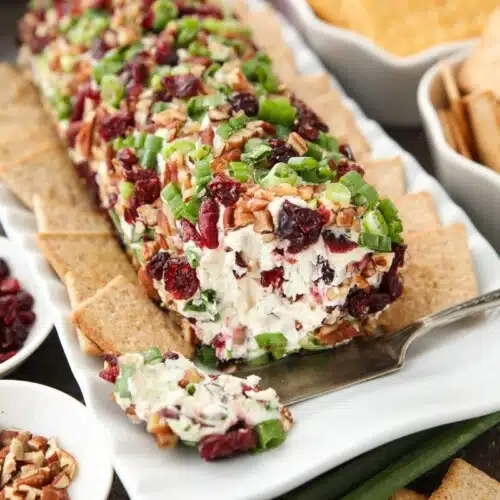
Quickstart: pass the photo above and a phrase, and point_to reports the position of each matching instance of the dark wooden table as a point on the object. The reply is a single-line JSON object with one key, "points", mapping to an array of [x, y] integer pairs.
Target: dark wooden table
{"points": [[48, 364]]}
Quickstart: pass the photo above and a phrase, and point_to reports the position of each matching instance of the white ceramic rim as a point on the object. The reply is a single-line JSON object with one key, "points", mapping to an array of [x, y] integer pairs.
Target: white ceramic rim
{"points": [[40, 323], [431, 119], [400, 62], [68, 400]]}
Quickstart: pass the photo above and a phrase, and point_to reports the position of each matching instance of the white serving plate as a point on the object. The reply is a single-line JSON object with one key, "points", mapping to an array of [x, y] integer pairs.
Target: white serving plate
{"points": [[449, 375], [475, 186], [42, 326], [42, 410], [383, 84]]}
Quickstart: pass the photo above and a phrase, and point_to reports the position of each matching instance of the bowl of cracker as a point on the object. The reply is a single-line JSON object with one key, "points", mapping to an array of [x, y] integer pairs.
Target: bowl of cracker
{"points": [[459, 101], [380, 50]]}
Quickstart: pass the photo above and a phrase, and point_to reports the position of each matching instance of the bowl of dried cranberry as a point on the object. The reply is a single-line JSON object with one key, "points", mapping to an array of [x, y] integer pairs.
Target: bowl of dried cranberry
{"points": [[24, 317]]}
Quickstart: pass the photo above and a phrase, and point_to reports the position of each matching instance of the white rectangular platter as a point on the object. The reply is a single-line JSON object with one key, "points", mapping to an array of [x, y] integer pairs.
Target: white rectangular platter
{"points": [[450, 375]]}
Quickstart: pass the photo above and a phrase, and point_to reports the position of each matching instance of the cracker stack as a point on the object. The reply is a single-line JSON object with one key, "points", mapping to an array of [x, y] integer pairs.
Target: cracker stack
{"points": [[471, 122]]}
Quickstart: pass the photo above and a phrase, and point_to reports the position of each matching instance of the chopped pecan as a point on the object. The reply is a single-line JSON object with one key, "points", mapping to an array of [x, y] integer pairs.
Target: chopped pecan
{"points": [[228, 218], [297, 143], [243, 217], [306, 192], [61, 481], [147, 283], [148, 214], [257, 204], [51, 493], [162, 432], [345, 217], [263, 222]]}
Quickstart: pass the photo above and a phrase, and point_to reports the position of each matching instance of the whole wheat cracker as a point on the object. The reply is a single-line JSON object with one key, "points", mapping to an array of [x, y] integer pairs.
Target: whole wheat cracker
{"points": [[485, 123], [283, 61], [47, 173], [464, 482], [354, 137], [387, 176], [481, 70], [52, 215], [22, 113], [418, 212], [437, 274], [15, 87], [92, 255], [266, 28], [80, 289], [458, 134], [239, 7], [120, 318], [444, 118], [308, 87], [405, 494]]}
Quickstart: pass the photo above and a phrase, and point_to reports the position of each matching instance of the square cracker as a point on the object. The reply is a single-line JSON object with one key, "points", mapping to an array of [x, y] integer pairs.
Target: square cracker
{"points": [[308, 87], [92, 255], [49, 174], [437, 274], [80, 289], [52, 215], [22, 113], [418, 212], [120, 319], [266, 28], [15, 87], [405, 494], [387, 176], [465, 482]]}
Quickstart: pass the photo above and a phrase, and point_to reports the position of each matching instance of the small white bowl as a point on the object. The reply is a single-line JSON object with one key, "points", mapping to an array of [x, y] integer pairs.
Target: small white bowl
{"points": [[383, 84], [473, 186], [44, 411], [42, 326]]}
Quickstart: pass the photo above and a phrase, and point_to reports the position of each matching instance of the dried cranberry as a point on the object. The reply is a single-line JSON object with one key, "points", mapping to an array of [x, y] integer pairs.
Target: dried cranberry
{"points": [[281, 152], [110, 374], [345, 149], [134, 90], [139, 174], [338, 244], [391, 285], [246, 102], [4, 269], [171, 355], [218, 342], [135, 72], [4, 356], [166, 54], [399, 256], [202, 10], [115, 125], [308, 125], [360, 303], [225, 190], [156, 265], [223, 445], [169, 413], [273, 278], [7, 304], [27, 317], [111, 359], [180, 279], [24, 301], [207, 222], [327, 273], [126, 158], [10, 285], [147, 191], [147, 21], [190, 233], [300, 226], [85, 172], [344, 166], [84, 92], [182, 86], [72, 131], [99, 48]]}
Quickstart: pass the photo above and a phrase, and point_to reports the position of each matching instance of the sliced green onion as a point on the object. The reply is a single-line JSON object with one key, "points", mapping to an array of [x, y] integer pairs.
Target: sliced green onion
{"points": [[192, 209], [282, 131], [258, 69], [367, 195], [115, 220], [195, 305], [353, 180], [238, 122], [211, 70], [325, 173], [158, 107], [197, 49], [121, 384], [191, 389], [314, 151], [164, 11], [225, 130], [339, 193], [62, 106], [202, 173], [389, 210], [374, 223], [253, 143], [126, 189], [278, 111], [280, 173], [139, 139], [132, 51], [301, 163], [172, 196], [258, 153], [182, 145], [68, 63], [112, 90], [111, 63], [149, 159], [152, 355], [375, 242], [311, 343], [328, 142], [193, 257], [196, 107], [188, 29], [207, 357], [275, 343], [200, 152], [239, 170], [264, 359], [271, 434], [153, 143]]}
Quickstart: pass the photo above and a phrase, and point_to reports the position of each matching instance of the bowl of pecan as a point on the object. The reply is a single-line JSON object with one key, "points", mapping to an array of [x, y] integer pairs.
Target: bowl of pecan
{"points": [[24, 319], [51, 447]]}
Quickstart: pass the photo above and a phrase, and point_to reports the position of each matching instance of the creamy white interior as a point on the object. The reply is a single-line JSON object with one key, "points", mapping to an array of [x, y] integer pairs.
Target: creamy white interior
{"points": [[214, 406]]}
